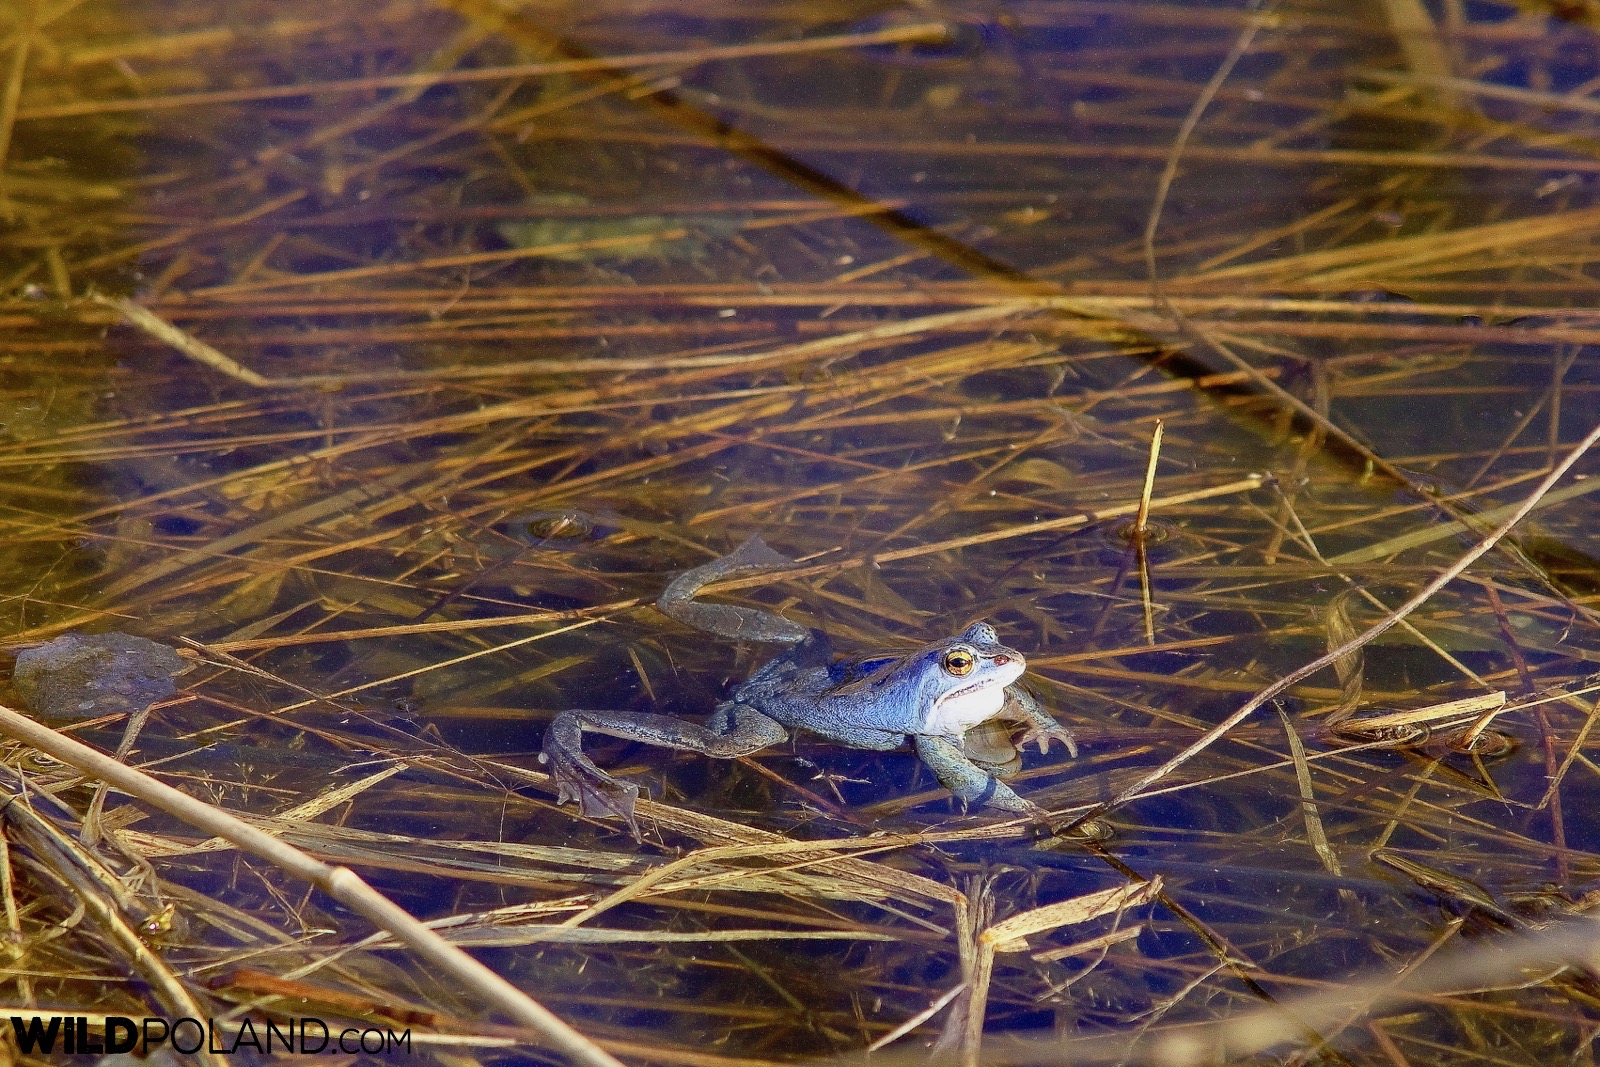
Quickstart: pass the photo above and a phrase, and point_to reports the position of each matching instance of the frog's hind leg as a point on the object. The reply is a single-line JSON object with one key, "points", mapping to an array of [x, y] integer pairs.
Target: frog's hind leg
{"points": [[742, 624], [738, 729], [965, 779], [598, 793]]}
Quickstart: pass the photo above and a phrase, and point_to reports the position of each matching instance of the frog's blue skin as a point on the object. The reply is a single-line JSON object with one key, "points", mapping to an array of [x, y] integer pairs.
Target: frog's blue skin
{"points": [[931, 697]]}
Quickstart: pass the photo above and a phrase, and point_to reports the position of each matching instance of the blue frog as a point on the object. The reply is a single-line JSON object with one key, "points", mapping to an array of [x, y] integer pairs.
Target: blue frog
{"points": [[933, 697]]}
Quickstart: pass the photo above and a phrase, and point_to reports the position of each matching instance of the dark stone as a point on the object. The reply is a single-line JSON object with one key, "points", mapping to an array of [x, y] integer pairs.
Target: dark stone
{"points": [[80, 676]]}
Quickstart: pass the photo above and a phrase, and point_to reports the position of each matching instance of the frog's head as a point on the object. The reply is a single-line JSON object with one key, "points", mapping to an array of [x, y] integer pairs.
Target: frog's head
{"points": [[961, 680]]}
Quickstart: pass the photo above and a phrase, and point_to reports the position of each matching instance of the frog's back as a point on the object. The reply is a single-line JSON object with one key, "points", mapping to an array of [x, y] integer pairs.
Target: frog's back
{"points": [[842, 701]]}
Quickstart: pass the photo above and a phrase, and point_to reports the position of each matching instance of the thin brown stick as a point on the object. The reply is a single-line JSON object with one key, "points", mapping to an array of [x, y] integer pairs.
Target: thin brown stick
{"points": [[1452, 572], [1169, 172]]}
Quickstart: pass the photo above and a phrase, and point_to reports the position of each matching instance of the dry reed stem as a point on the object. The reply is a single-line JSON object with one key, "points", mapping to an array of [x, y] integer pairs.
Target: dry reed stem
{"points": [[598, 612], [1441, 716], [189, 345], [1250, 157], [86, 881], [1069, 522], [1365, 637], [938, 1004], [1505, 961], [1141, 531], [340, 883], [1443, 531], [1140, 522], [1418, 37], [1351, 670], [11, 90], [1469, 87], [921, 32], [1010, 934], [1316, 836]]}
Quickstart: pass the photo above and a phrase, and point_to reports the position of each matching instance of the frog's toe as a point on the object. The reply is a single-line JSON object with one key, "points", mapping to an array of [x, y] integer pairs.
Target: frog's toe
{"points": [[1004, 798], [598, 794], [1045, 735], [610, 799]]}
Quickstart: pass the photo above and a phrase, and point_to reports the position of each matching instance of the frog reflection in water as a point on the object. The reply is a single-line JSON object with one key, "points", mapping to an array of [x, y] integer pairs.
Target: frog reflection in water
{"points": [[933, 696]]}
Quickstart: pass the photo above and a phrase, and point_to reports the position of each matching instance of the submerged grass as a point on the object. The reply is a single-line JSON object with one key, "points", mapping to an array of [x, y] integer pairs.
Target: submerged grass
{"points": [[389, 361]]}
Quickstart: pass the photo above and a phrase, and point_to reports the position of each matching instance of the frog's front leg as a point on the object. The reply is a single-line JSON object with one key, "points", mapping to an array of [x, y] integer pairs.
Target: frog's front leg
{"points": [[1042, 726], [598, 793], [966, 779]]}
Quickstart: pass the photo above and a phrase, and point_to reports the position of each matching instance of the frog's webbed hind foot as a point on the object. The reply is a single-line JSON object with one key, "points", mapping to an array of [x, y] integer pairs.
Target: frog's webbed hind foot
{"points": [[599, 795], [968, 781], [677, 600]]}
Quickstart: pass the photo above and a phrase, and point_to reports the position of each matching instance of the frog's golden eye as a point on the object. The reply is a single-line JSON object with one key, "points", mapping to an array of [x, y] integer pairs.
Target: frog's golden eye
{"points": [[959, 662]]}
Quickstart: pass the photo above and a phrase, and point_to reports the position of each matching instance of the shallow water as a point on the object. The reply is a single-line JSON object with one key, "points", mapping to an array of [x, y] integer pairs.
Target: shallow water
{"points": [[497, 335]]}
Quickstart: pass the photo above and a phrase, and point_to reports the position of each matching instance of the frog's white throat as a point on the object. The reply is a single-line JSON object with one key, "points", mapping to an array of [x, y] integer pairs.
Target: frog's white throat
{"points": [[960, 710], [955, 713]]}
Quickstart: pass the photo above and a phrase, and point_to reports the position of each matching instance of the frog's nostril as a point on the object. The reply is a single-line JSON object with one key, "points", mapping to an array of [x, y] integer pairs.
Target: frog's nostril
{"points": [[1002, 660]]}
